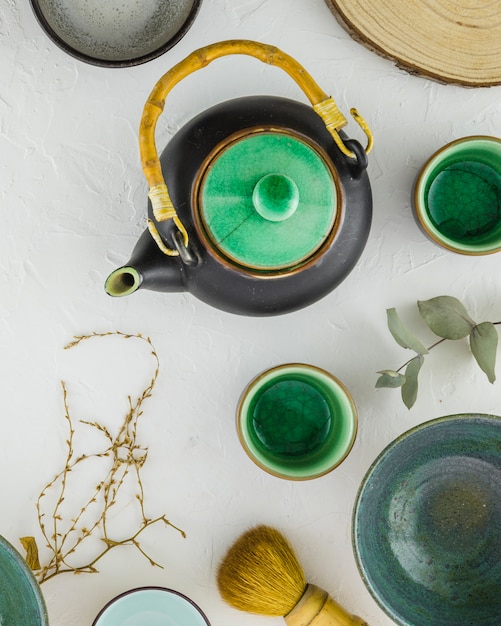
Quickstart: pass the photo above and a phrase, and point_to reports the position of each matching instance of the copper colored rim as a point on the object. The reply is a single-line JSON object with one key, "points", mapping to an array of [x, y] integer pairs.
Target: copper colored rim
{"points": [[285, 367], [418, 210], [211, 245]]}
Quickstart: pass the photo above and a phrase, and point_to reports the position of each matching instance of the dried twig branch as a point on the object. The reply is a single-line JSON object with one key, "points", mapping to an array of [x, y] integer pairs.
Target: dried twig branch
{"points": [[125, 458]]}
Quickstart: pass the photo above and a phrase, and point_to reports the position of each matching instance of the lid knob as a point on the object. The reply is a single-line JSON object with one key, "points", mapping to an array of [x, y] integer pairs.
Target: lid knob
{"points": [[275, 197]]}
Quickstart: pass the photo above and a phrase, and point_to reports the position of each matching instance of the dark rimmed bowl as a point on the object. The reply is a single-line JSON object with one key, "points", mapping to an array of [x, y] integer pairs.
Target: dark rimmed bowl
{"points": [[115, 33], [427, 520], [145, 605]]}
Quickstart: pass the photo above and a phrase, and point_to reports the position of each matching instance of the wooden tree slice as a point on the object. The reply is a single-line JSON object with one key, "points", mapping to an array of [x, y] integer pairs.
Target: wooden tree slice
{"points": [[449, 41]]}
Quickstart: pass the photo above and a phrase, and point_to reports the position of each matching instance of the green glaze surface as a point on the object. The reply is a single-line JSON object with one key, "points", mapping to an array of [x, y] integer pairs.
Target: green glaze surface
{"points": [[291, 416], [297, 421], [427, 524], [275, 197], [21, 601], [458, 196], [296, 207], [464, 201]]}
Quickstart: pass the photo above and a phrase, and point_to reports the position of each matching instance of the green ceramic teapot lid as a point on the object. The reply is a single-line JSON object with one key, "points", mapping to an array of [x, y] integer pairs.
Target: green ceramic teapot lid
{"points": [[268, 201]]}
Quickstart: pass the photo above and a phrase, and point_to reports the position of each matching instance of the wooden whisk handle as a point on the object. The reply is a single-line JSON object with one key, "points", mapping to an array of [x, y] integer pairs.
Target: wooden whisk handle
{"points": [[317, 608]]}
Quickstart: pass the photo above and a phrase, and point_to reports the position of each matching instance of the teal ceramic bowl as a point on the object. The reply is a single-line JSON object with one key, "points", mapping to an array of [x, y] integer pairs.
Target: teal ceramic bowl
{"points": [[427, 524], [296, 421], [21, 601], [151, 606]]}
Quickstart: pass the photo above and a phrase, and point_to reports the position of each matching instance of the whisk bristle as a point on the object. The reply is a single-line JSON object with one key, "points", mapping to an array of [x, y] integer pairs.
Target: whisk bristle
{"points": [[261, 574]]}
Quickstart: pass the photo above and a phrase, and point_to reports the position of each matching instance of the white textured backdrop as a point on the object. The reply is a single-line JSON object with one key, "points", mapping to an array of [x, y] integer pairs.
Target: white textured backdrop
{"points": [[72, 199]]}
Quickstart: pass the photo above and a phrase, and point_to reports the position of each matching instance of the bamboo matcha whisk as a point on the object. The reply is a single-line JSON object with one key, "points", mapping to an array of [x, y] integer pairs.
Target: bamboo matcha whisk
{"points": [[261, 574]]}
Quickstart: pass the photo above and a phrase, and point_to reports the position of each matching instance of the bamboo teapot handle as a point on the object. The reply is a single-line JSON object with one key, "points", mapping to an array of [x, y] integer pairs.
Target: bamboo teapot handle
{"points": [[323, 105]]}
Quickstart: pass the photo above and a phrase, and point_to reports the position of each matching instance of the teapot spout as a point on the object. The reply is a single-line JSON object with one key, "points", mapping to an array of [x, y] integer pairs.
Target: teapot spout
{"points": [[147, 268], [123, 281]]}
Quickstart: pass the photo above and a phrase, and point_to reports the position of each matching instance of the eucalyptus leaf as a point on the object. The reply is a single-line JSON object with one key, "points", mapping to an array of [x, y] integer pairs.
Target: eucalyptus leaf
{"points": [[483, 345], [390, 378], [402, 334], [410, 386], [446, 317]]}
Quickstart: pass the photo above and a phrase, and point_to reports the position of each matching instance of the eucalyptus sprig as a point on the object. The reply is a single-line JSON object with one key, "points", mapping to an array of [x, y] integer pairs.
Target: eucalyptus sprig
{"points": [[448, 319], [124, 457]]}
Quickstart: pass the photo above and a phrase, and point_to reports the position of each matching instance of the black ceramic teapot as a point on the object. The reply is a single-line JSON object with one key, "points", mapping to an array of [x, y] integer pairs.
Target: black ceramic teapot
{"points": [[258, 206]]}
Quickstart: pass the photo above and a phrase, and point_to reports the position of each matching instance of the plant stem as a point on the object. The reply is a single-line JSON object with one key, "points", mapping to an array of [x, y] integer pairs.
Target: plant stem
{"points": [[433, 345], [429, 348]]}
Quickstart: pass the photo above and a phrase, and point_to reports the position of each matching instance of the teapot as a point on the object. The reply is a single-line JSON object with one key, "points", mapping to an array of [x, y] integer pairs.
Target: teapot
{"points": [[260, 205]]}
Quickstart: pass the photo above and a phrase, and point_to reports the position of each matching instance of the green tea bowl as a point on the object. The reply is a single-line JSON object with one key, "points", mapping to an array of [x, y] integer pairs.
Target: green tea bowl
{"points": [[427, 524], [296, 421], [457, 196]]}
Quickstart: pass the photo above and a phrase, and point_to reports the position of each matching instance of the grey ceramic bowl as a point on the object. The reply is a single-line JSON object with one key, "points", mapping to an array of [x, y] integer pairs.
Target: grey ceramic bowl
{"points": [[427, 524], [115, 33]]}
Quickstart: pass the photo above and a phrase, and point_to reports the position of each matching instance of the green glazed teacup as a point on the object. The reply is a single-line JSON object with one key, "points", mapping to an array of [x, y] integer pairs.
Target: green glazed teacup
{"points": [[296, 421], [457, 197]]}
